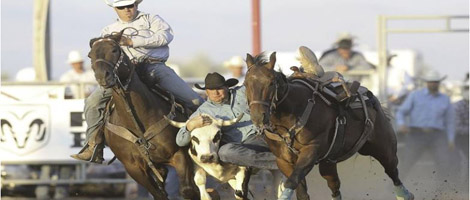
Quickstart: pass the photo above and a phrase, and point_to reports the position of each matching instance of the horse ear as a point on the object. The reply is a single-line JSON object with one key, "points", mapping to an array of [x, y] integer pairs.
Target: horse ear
{"points": [[272, 60], [249, 60], [116, 36], [92, 41]]}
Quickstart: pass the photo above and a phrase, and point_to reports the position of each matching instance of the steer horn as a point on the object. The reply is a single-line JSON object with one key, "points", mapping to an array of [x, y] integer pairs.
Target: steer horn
{"points": [[222, 122], [175, 123]]}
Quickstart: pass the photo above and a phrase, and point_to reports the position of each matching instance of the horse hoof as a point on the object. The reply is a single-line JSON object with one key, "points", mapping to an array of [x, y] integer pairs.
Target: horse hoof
{"points": [[286, 194], [403, 194]]}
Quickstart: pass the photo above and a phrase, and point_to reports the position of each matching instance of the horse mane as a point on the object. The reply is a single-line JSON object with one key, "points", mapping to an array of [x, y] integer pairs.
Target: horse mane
{"points": [[261, 59]]}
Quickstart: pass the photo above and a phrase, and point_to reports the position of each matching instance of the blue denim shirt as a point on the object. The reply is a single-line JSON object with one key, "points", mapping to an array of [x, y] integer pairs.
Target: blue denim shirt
{"points": [[235, 133], [426, 110]]}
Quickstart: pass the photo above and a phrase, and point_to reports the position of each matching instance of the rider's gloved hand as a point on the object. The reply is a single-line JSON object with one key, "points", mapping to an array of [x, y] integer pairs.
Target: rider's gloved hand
{"points": [[198, 122]]}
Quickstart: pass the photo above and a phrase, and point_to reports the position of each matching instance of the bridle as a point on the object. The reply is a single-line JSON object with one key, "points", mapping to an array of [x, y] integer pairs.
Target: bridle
{"points": [[117, 64], [271, 103], [274, 100]]}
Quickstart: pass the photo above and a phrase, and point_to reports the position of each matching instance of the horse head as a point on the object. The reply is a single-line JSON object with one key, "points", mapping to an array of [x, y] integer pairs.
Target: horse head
{"points": [[109, 62], [262, 84]]}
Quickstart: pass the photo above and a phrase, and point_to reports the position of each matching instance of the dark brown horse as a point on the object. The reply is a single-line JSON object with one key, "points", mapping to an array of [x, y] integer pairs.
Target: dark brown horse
{"points": [[277, 104], [135, 112]]}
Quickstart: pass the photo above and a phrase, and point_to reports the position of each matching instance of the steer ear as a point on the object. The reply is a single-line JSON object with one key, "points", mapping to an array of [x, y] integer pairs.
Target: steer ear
{"points": [[175, 123], [231, 122]]}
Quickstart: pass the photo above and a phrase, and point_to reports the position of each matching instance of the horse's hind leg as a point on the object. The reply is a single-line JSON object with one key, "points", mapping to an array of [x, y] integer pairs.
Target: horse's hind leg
{"points": [[387, 156], [329, 172], [185, 169]]}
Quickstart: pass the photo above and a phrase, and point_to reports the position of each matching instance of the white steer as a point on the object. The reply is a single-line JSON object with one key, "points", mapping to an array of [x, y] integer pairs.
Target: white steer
{"points": [[203, 150]]}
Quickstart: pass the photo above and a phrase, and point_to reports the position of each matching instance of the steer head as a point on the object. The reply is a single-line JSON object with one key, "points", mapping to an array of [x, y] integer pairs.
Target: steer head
{"points": [[205, 140]]}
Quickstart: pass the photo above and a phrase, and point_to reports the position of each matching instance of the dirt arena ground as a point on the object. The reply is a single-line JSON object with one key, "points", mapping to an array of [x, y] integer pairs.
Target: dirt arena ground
{"points": [[362, 178]]}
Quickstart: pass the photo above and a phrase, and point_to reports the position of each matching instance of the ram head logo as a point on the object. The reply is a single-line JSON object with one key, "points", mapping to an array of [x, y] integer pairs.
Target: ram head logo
{"points": [[23, 132]]}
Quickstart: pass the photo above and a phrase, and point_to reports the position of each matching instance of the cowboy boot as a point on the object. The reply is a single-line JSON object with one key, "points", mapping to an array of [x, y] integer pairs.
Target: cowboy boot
{"points": [[310, 62], [93, 150]]}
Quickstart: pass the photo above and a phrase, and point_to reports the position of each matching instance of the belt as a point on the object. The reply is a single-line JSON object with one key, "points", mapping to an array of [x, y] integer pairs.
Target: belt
{"points": [[426, 130], [154, 60]]}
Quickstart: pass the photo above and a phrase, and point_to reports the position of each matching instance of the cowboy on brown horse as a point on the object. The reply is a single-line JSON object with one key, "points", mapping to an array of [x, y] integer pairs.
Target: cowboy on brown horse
{"points": [[148, 46]]}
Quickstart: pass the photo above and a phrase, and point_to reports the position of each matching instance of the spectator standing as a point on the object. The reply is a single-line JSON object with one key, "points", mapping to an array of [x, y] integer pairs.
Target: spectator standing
{"points": [[461, 127], [430, 126], [78, 74], [236, 66], [342, 58]]}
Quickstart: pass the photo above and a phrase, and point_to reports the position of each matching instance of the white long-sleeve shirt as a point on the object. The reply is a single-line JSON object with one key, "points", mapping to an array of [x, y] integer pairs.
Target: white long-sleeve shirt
{"points": [[72, 76], [150, 36]]}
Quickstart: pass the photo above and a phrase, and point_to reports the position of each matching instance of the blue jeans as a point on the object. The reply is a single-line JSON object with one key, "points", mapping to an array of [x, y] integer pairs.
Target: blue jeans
{"points": [[159, 73], [253, 152]]}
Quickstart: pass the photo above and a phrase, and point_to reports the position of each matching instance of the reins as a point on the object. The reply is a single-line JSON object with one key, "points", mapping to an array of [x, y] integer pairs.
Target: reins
{"points": [[117, 65], [141, 141]]}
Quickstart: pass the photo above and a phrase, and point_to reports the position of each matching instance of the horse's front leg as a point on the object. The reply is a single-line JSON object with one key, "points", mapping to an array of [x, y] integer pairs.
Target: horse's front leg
{"points": [[240, 183], [306, 160], [287, 169]]}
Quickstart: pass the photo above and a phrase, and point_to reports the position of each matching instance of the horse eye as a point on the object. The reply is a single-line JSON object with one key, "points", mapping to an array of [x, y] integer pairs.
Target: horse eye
{"points": [[216, 137]]}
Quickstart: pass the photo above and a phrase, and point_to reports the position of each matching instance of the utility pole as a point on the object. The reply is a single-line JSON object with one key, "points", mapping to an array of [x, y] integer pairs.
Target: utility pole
{"points": [[256, 26], [41, 45]]}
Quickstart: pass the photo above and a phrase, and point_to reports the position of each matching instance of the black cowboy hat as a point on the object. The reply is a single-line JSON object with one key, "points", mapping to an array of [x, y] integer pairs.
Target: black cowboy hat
{"points": [[216, 81]]}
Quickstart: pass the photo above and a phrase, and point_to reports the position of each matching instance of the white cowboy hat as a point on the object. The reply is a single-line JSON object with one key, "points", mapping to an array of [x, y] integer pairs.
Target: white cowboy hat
{"points": [[433, 75], [119, 3], [235, 61], [344, 36], [74, 57]]}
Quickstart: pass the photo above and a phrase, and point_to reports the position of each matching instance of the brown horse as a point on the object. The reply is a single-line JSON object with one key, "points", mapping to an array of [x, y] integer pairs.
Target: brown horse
{"points": [[136, 110], [277, 104]]}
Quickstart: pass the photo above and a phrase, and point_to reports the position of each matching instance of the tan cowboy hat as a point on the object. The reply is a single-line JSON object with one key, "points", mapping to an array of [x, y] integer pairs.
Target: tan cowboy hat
{"points": [[235, 61], [432, 76], [119, 3]]}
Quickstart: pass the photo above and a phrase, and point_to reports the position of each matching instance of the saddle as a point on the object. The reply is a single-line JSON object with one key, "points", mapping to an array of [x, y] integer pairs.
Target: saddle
{"points": [[331, 84], [347, 95]]}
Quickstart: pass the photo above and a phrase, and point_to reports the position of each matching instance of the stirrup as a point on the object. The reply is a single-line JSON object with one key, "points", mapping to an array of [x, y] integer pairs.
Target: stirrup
{"points": [[94, 156]]}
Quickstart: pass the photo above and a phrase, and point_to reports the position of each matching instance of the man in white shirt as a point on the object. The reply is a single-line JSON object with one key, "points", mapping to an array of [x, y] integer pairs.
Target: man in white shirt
{"points": [[145, 40], [78, 74]]}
